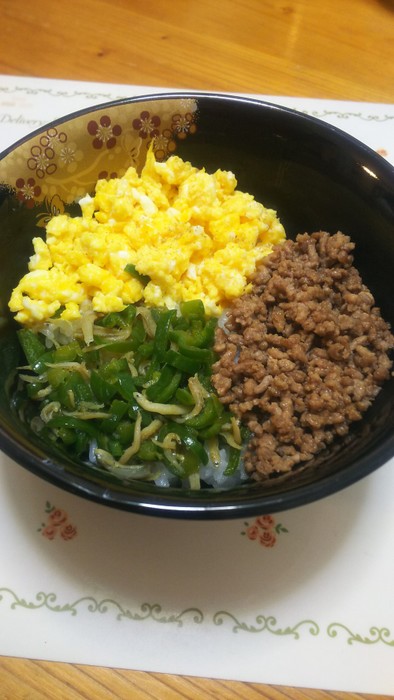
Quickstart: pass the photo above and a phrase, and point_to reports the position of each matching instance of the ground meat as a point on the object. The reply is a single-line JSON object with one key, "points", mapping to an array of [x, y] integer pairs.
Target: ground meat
{"points": [[303, 354]]}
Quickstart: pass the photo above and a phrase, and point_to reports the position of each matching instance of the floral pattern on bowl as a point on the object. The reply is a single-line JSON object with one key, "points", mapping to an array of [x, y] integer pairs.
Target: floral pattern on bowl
{"points": [[48, 164]]}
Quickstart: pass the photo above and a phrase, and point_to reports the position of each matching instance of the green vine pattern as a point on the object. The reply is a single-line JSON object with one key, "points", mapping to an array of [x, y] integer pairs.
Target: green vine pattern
{"points": [[154, 612], [266, 624], [51, 92], [377, 634], [323, 114], [147, 610]]}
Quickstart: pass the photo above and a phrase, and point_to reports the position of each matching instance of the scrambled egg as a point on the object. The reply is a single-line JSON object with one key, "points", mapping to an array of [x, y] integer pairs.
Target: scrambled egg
{"points": [[190, 235]]}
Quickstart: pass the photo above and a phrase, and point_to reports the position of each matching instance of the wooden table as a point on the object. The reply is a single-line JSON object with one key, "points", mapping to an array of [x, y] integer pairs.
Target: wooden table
{"points": [[340, 49]]}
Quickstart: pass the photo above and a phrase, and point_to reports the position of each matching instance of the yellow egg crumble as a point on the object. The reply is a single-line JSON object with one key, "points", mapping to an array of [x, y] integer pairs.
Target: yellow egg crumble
{"points": [[194, 235]]}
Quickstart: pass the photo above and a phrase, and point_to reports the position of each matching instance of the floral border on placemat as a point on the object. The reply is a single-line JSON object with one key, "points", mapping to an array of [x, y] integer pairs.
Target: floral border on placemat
{"points": [[155, 613], [108, 96], [52, 92]]}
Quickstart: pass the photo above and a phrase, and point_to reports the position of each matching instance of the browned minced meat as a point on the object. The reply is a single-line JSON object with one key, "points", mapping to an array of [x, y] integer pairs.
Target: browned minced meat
{"points": [[304, 354]]}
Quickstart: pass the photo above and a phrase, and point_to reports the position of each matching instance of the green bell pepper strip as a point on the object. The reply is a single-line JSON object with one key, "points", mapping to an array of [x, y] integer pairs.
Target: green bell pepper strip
{"points": [[67, 353], [184, 364], [161, 340], [204, 355], [133, 272], [137, 337], [174, 464], [119, 347], [125, 385], [40, 365], [81, 443], [120, 319], [124, 432], [110, 370], [56, 376], [72, 423], [33, 388], [115, 448], [83, 392], [188, 439], [209, 414], [118, 409], [31, 344], [68, 392], [149, 452], [184, 397], [215, 428], [143, 352], [165, 387], [181, 465], [191, 463], [234, 456], [110, 444], [103, 390], [205, 337], [197, 335], [67, 436], [192, 309]]}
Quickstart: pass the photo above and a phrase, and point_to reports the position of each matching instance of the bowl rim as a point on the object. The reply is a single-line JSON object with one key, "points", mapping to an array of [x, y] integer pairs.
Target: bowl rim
{"points": [[220, 504], [196, 95]]}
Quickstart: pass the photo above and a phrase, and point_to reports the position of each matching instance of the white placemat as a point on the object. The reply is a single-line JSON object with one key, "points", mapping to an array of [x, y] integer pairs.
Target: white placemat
{"points": [[302, 598]]}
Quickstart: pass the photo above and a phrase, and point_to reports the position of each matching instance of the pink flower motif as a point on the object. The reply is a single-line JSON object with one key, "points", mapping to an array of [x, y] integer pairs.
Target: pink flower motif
{"points": [[49, 531], [68, 531], [265, 521], [104, 133], [40, 161], [267, 538], [27, 191], [57, 523], [57, 517], [252, 532], [147, 125], [264, 530]]}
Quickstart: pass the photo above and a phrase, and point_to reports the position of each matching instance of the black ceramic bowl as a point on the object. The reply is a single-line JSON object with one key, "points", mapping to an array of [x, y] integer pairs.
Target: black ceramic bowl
{"points": [[314, 175]]}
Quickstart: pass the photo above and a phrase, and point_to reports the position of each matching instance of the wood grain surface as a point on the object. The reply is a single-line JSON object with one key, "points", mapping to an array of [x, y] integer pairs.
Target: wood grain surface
{"points": [[340, 49]]}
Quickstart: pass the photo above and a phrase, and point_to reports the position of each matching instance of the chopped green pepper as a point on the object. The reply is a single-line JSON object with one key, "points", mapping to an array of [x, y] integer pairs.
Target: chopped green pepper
{"points": [[192, 309], [56, 376], [101, 396], [31, 345], [131, 270], [185, 364], [234, 456], [118, 319], [166, 385], [67, 353], [208, 416], [102, 389], [162, 339], [72, 423], [188, 439], [184, 397], [149, 452]]}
